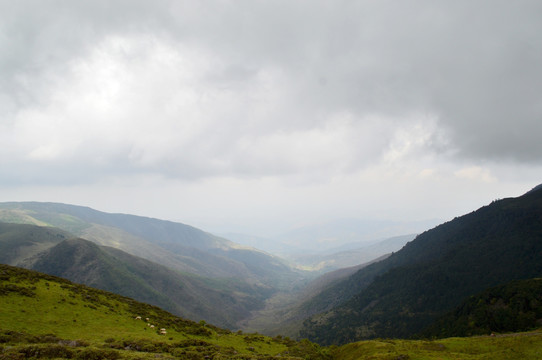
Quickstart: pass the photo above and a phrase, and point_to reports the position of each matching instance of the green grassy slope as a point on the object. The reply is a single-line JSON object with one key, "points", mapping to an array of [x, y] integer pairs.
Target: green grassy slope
{"points": [[518, 346], [431, 275], [42, 316]]}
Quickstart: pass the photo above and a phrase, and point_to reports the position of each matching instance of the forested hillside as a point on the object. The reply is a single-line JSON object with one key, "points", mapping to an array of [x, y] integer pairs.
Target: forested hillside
{"points": [[431, 275], [513, 307]]}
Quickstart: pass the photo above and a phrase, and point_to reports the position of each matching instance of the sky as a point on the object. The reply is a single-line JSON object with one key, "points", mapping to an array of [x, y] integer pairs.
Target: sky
{"points": [[261, 116]]}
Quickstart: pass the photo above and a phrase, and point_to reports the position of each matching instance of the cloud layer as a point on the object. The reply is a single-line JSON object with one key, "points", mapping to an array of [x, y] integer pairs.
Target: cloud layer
{"points": [[304, 92]]}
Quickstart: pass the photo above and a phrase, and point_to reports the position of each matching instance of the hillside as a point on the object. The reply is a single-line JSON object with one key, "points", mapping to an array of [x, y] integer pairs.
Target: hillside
{"points": [[19, 242], [513, 307], [175, 245], [516, 346], [284, 312], [434, 273], [43, 316], [222, 302]]}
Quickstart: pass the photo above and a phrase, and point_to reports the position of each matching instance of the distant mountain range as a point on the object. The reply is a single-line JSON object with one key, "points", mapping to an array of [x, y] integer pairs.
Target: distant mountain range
{"points": [[200, 276], [346, 234], [178, 246], [356, 254], [408, 291], [308, 243]]}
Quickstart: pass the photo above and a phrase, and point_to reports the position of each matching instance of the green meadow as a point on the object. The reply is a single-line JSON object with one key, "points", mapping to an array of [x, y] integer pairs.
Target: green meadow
{"points": [[46, 314], [499, 347]]}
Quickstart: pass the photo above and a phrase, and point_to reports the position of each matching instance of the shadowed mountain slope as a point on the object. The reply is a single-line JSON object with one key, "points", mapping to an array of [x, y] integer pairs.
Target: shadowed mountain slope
{"points": [[434, 273], [513, 307], [20, 242]]}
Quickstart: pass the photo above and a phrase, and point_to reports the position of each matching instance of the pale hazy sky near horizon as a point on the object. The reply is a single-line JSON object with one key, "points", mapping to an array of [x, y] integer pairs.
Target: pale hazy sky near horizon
{"points": [[259, 116]]}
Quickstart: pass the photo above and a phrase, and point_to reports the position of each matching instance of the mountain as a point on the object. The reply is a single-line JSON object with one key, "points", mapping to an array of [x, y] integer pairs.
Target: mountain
{"points": [[19, 242], [53, 251], [269, 245], [325, 238], [175, 245], [46, 317], [356, 254], [431, 275]]}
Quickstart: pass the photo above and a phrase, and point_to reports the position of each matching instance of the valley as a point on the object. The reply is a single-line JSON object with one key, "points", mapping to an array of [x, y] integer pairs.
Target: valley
{"points": [[265, 180], [471, 276]]}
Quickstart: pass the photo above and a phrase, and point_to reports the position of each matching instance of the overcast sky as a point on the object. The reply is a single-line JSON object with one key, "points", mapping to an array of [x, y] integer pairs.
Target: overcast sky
{"points": [[258, 116]]}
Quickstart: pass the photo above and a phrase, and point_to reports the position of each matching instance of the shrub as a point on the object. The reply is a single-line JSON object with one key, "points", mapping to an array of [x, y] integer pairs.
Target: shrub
{"points": [[49, 351], [97, 354]]}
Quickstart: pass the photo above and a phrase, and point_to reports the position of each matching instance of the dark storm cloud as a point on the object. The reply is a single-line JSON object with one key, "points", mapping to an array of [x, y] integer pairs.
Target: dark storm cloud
{"points": [[279, 71], [475, 64]]}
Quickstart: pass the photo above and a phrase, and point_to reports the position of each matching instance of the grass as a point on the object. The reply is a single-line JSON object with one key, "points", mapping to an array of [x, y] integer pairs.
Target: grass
{"points": [[34, 307], [501, 347]]}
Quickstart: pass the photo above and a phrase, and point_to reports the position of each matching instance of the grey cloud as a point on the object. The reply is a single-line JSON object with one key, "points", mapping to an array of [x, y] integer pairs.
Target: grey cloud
{"points": [[473, 65]]}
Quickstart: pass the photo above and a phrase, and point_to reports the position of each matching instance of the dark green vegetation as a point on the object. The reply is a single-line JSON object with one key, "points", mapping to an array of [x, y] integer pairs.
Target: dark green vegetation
{"points": [[200, 276], [433, 274], [42, 316], [516, 306]]}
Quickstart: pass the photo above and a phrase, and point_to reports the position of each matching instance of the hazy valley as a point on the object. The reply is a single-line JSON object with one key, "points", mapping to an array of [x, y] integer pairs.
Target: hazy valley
{"points": [[473, 275]]}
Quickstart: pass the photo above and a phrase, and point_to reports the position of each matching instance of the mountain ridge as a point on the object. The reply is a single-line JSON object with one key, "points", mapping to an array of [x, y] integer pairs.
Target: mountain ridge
{"points": [[180, 246], [404, 293], [57, 252]]}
